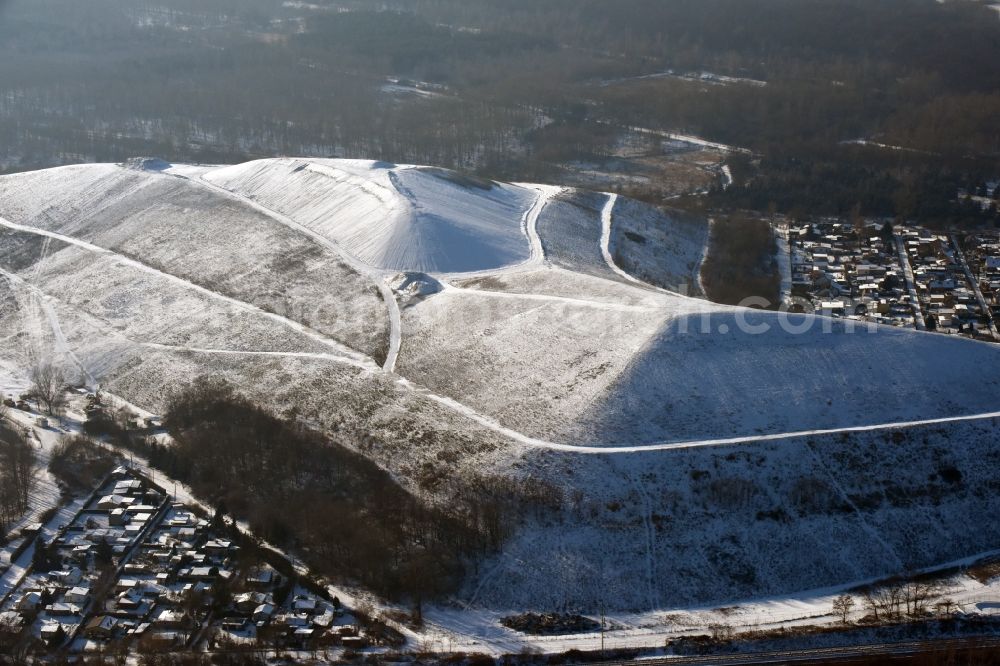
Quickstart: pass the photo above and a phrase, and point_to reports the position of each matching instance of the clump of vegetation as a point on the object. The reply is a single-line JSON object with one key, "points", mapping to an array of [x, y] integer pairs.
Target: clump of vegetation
{"points": [[741, 262], [17, 461], [79, 462], [550, 623], [297, 488]]}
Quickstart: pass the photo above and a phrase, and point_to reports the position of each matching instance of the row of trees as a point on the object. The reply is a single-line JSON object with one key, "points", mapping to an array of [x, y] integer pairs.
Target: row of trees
{"points": [[17, 474], [228, 81], [740, 263], [898, 599]]}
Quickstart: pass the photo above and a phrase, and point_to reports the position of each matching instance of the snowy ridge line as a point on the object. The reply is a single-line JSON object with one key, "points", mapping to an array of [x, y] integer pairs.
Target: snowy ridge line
{"points": [[380, 192], [774, 437], [395, 318], [347, 353], [536, 443], [529, 222]]}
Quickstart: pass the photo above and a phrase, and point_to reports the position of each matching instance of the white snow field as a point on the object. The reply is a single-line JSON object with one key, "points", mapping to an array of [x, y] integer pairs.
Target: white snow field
{"points": [[390, 217], [454, 329]]}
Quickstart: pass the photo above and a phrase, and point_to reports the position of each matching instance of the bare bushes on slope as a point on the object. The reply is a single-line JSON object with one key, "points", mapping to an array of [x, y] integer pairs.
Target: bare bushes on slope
{"points": [[79, 463], [300, 489]]}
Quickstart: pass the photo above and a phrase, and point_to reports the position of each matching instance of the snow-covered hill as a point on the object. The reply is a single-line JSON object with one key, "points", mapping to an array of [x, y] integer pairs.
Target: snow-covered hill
{"points": [[468, 328], [395, 218]]}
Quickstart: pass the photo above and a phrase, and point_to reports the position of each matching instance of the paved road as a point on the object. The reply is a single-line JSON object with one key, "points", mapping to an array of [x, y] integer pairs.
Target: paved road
{"points": [[904, 261], [975, 286]]}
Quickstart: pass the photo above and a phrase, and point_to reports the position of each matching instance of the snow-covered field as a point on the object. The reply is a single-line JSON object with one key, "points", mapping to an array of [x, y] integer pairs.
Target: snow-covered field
{"points": [[520, 340]]}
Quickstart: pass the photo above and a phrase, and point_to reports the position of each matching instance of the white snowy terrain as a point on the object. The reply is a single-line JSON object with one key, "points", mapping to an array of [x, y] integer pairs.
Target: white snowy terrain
{"points": [[464, 328], [395, 218]]}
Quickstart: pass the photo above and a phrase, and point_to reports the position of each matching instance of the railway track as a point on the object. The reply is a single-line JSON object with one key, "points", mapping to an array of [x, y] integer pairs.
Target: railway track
{"points": [[839, 655]]}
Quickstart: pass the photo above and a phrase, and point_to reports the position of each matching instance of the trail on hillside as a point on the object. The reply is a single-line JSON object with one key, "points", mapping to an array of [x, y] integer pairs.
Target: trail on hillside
{"points": [[342, 354], [347, 353], [352, 357], [607, 228], [529, 227], [395, 318]]}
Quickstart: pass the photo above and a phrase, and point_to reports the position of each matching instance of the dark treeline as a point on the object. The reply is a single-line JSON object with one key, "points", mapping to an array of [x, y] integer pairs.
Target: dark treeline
{"points": [[751, 38], [740, 263], [80, 463], [348, 517], [871, 180], [509, 88], [114, 80], [17, 474]]}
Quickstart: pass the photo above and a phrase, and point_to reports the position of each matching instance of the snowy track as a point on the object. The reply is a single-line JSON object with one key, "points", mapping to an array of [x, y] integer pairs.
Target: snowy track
{"points": [[395, 326], [607, 214], [340, 353], [343, 351], [529, 227], [351, 357]]}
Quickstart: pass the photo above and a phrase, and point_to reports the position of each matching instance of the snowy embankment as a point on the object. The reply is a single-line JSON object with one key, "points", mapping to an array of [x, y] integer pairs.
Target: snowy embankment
{"points": [[393, 218], [660, 248], [513, 359], [650, 531]]}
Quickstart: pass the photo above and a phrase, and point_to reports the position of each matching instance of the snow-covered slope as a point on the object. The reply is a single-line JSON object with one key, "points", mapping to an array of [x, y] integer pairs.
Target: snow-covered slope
{"points": [[524, 350], [192, 233], [390, 217], [659, 248], [712, 526]]}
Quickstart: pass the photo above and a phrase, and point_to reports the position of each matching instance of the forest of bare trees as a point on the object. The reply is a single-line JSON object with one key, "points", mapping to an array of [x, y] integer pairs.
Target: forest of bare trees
{"points": [[17, 474]]}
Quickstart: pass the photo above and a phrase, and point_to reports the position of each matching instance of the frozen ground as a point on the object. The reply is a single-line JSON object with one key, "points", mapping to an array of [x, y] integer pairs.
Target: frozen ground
{"points": [[205, 239], [394, 218], [716, 524], [570, 227], [538, 352], [663, 249]]}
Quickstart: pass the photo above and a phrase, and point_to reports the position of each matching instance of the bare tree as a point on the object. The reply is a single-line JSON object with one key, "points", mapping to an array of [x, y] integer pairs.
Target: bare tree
{"points": [[842, 606], [946, 607], [48, 386], [10, 632], [916, 596], [885, 601]]}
